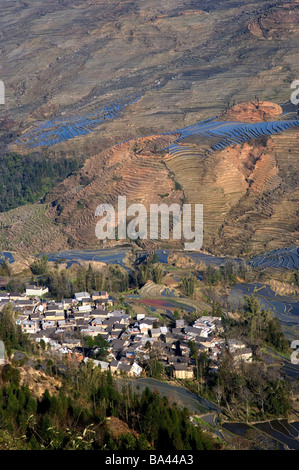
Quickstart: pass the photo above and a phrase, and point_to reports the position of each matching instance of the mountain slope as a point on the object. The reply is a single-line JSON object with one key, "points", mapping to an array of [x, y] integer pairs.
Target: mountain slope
{"points": [[249, 190]]}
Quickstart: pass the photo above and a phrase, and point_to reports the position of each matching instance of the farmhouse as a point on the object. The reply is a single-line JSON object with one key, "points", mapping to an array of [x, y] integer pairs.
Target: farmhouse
{"points": [[32, 290], [182, 371]]}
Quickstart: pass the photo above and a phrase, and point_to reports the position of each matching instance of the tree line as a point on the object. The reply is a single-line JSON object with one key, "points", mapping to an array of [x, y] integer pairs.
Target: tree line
{"points": [[78, 416], [27, 178]]}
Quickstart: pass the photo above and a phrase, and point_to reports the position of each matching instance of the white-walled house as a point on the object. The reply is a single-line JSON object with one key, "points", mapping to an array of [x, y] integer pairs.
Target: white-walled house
{"points": [[81, 295], [29, 326], [36, 291]]}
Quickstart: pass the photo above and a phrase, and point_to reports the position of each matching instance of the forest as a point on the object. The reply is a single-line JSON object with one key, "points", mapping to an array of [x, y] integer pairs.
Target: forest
{"points": [[25, 179], [78, 416]]}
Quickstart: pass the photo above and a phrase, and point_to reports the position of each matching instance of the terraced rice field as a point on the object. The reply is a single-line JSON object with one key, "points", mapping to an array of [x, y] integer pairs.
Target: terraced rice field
{"points": [[277, 433], [287, 258], [234, 133], [286, 308], [109, 256], [212, 135], [150, 289], [215, 134], [5, 255], [65, 128], [28, 229]]}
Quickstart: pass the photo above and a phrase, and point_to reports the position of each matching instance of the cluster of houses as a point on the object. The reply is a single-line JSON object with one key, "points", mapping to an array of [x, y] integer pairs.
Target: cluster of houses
{"points": [[132, 342]]}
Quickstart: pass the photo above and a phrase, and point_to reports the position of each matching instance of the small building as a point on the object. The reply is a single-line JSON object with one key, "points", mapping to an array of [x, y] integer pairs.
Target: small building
{"points": [[155, 332], [84, 308], [242, 354], [99, 313], [113, 366], [5, 296], [36, 291], [29, 326], [182, 371], [102, 295], [234, 344], [81, 295], [145, 327]]}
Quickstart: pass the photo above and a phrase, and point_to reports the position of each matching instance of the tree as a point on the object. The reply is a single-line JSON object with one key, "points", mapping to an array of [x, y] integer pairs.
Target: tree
{"points": [[176, 315], [5, 269], [144, 274], [157, 273], [193, 350], [11, 333], [216, 310], [40, 266], [99, 345], [262, 325], [188, 283]]}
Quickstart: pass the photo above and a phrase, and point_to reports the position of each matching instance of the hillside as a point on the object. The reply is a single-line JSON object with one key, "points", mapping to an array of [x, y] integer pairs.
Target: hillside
{"points": [[161, 103], [105, 72], [249, 190]]}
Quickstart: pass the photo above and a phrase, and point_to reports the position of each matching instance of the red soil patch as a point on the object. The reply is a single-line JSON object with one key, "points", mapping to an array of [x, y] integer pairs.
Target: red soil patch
{"points": [[254, 111]]}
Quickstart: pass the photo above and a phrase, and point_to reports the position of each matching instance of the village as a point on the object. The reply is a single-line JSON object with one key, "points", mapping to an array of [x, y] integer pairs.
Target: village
{"points": [[64, 329]]}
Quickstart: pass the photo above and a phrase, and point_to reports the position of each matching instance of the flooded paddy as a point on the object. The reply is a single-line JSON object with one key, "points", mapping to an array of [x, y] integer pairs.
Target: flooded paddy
{"points": [[286, 308], [108, 255]]}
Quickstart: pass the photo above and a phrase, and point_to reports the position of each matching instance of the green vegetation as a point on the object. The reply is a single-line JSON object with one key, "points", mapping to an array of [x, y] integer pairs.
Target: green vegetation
{"points": [[15, 285], [227, 274], [40, 266], [188, 284], [157, 273], [251, 391], [151, 269], [295, 278], [11, 333], [5, 269], [77, 417], [26, 179], [246, 391], [98, 345], [177, 186], [63, 284], [256, 326]]}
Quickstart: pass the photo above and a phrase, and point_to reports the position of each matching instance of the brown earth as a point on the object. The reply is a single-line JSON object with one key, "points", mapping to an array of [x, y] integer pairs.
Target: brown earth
{"points": [[186, 61], [38, 382], [180, 261], [117, 427], [255, 111], [278, 23], [283, 288], [249, 193]]}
